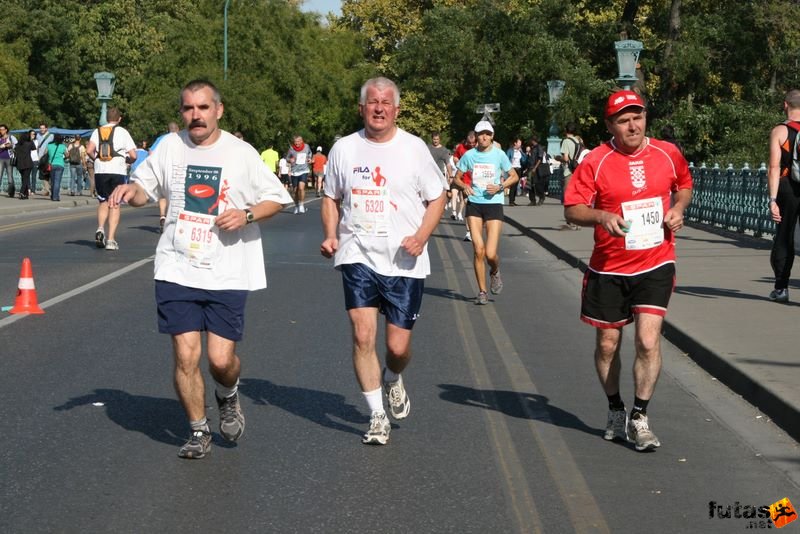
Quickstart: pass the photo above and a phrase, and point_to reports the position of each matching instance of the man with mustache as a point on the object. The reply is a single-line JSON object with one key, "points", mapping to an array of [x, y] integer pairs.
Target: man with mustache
{"points": [[209, 255]]}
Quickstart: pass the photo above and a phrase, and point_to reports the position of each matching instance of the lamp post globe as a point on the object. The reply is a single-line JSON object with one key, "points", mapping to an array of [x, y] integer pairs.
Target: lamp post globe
{"points": [[627, 60], [105, 89], [555, 89]]}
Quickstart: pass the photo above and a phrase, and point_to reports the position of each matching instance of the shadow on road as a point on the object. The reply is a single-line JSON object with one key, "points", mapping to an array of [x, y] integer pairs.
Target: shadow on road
{"points": [[82, 243], [445, 293], [320, 407], [148, 228], [511, 403], [160, 419]]}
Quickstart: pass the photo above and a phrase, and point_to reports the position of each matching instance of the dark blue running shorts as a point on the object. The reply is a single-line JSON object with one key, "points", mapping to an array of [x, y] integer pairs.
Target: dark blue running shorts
{"points": [[105, 184], [399, 298], [187, 309], [300, 178]]}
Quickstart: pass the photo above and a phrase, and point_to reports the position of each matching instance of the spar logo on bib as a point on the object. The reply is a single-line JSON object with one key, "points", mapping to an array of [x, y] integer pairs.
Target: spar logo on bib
{"points": [[202, 189]]}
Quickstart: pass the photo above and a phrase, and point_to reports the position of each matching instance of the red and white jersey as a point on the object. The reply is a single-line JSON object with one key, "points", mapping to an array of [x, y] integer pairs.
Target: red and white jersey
{"points": [[461, 149], [608, 178]]}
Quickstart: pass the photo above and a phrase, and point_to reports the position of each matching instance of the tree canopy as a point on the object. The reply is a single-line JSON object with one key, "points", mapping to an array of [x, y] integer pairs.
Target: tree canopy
{"points": [[716, 72]]}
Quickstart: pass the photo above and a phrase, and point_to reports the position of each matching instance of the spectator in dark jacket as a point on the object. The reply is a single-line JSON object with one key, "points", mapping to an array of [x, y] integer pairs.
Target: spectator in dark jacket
{"points": [[22, 152]]}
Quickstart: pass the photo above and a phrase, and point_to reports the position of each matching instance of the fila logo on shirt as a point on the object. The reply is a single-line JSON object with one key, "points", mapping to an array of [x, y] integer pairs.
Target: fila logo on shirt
{"points": [[637, 174]]}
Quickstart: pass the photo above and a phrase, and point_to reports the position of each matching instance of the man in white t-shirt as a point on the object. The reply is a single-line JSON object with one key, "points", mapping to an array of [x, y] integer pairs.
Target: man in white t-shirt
{"points": [[109, 174], [384, 195], [209, 256]]}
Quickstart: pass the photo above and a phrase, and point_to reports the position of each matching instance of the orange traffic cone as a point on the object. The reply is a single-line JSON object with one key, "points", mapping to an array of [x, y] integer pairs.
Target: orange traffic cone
{"points": [[26, 293]]}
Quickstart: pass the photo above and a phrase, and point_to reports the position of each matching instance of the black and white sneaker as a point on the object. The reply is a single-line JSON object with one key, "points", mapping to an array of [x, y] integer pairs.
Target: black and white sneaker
{"points": [[100, 238], [231, 418], [197, 447]]}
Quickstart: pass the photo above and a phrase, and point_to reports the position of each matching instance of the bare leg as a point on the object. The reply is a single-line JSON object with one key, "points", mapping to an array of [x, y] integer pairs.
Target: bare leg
{"points": [[188, 380]]}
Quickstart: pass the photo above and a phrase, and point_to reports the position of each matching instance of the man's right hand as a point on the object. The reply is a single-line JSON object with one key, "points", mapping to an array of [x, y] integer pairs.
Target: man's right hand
{"points": [[122, 194], [775, 211], [329, 247]]}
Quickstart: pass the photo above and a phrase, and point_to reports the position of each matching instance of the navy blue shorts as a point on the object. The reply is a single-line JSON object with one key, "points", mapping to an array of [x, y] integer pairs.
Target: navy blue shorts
{"points": [[300, 178], [187, 309], [399, 298], [104, 184]]}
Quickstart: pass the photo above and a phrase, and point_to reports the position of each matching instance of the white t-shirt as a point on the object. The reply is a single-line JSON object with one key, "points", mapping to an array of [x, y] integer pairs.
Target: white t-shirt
{"points": [[123, 142], [207, 180], [384, 189]]}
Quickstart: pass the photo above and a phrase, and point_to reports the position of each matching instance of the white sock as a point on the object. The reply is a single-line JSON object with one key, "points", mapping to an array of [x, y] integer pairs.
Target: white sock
{"points": [[390, 376], [374, 400], [202, 424], [223, 392]]}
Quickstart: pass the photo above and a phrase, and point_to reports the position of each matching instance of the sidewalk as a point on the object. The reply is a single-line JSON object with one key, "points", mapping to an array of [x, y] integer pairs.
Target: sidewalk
{"points": [[719, 314], [10, 206]]}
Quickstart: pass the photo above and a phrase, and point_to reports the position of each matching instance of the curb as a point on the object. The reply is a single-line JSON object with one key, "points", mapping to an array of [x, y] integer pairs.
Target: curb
{"points": [[786, 416], [40, 204]]}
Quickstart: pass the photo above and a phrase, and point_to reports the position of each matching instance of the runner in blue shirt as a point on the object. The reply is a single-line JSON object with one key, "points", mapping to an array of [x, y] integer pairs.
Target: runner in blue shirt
{"points": [[487, 164]]}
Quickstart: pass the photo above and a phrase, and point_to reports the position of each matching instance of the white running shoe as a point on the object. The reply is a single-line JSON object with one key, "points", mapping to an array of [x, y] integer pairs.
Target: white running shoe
{"points": [[112, 245], [296, 210], [779, 295], [379, 428], [399, 405], [640, 434], [302, 209]]}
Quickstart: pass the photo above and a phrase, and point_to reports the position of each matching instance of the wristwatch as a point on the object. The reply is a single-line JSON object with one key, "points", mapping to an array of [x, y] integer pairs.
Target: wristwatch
{"points": [[773, 199], [249, 216]]}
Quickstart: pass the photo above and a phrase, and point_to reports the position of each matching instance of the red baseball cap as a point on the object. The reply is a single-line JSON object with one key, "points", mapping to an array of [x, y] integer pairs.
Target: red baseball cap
{"points": [[621, 100]]}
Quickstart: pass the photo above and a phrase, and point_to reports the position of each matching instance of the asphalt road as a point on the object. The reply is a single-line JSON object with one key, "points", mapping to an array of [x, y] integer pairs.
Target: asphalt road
{"points": [[504, 433]]}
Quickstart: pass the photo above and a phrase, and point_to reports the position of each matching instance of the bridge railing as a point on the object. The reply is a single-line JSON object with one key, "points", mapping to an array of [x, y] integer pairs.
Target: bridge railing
{"points": [[730, 199]]}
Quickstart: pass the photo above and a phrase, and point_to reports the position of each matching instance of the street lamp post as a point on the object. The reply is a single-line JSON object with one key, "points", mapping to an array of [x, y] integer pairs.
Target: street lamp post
{"points": [[105, 88], [627, 59], [487, 110], [555, 88], [225, 42]]}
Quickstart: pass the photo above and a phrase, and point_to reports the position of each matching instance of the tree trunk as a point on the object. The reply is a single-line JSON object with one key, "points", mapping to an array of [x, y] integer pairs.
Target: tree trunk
{"points": [[668, 84], [628, 20], [673, 33]]}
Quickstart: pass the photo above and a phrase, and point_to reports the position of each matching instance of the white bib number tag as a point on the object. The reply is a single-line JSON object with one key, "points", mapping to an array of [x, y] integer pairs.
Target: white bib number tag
{"points": [[483, 174], [197, 239], [369, 210], [645, 222], [300, 159]]}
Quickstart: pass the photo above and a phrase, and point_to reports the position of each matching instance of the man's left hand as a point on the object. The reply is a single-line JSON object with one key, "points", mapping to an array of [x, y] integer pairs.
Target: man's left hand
{"points": [[673, 220], [412, 245], [231, 219]]}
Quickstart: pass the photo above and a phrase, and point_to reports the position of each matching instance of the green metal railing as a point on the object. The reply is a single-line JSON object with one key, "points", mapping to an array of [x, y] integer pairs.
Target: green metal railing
{"points": [[728, 199]]}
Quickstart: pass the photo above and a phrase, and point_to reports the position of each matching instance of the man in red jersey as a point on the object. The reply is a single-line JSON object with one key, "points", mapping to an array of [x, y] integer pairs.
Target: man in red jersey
{"points": [[633, 190], [468, 143]]}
